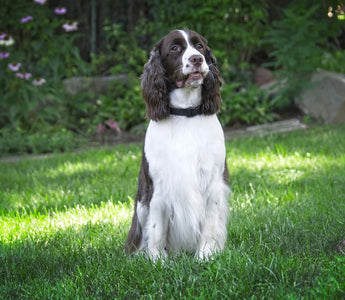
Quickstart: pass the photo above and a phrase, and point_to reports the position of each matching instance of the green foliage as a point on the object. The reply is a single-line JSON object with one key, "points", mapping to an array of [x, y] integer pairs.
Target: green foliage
{"points": [[20, 142], [44, 51], [295, 41], [122, 103], [124, 52], [64, 220], [249, 106], [30, 107], [332, 61]]}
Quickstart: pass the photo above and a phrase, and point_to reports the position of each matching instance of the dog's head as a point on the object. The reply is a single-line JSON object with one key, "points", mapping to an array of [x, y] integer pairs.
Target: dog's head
{"points": [[181, 59]]}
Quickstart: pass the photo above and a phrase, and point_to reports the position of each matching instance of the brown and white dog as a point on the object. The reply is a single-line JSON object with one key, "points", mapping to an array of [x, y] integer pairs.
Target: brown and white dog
{"points": [[181, 202]]}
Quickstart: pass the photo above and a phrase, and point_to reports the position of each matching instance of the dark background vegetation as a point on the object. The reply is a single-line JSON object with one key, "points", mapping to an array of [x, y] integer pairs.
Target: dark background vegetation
{"points": [[290, 38]]}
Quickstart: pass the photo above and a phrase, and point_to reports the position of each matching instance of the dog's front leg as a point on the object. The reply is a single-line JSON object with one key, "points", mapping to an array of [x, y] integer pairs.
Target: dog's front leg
{"points": [[157, 229], [214, 231]]}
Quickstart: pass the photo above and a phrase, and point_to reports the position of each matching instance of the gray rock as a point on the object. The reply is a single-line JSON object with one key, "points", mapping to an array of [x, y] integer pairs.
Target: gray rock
{"points": [[266, 129], [274, 86], [96, 85], [325, 98]]}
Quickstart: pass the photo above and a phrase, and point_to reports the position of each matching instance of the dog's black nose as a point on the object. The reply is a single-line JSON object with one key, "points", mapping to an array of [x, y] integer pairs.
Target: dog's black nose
{"points": [[196, 60]]}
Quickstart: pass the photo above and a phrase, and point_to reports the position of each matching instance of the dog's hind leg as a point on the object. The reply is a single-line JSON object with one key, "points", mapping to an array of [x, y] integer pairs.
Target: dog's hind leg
{"points": [[134, 237]]}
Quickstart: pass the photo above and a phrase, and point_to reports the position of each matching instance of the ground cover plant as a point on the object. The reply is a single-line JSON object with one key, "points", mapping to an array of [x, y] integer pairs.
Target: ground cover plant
{"points": [[64, 219]]}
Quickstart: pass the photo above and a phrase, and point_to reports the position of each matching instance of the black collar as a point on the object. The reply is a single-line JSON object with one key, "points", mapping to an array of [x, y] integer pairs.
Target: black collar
{"points": [[187, 112]]}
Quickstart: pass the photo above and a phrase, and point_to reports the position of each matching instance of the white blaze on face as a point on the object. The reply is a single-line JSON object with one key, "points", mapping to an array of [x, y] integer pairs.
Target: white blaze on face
{"points": [[196, 74]]}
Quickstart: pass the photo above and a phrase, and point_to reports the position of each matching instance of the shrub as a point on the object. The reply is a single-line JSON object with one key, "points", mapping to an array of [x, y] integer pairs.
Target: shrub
{"points": [[124, 51], [122, 103], [249, 106], [330, 61], [41, 54], [295, 41]]}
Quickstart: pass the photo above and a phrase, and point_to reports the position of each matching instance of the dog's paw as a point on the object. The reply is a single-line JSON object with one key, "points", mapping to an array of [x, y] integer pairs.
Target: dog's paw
{"points": [[206, 253], [157, 254]]}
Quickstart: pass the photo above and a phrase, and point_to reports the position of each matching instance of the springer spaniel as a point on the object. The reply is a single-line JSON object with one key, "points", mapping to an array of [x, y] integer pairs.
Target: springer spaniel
{"points": [[181, 202]]}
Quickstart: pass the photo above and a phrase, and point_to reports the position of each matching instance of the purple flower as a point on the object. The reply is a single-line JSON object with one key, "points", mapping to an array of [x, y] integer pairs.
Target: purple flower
{"points": [[14, 66], [100, 129], [70, 26], [40, 1], [38, 81], [113, 125], [24, 75], [60, 10], [2, 35], [26, 19], [4, 55]]}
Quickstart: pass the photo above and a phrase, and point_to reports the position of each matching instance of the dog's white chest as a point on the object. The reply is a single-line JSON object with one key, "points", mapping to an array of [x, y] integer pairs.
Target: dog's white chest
{"points": [[180, 146]]}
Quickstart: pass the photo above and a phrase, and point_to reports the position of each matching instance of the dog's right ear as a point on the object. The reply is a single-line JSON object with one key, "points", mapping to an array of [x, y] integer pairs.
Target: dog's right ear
{"points": [[154, 87]]}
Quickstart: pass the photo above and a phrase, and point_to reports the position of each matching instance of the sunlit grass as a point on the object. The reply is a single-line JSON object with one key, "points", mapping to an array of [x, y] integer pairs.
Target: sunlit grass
{"points": [[64, 220], [68, 180], [41, 226]]}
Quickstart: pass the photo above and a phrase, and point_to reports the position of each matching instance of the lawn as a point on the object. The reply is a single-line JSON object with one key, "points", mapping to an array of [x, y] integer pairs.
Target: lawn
{"points": [[64, 219]]}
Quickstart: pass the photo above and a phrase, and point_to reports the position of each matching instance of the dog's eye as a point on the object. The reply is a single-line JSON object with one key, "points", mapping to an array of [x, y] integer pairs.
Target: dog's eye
{"points": [[176, 48], [199, 46]]}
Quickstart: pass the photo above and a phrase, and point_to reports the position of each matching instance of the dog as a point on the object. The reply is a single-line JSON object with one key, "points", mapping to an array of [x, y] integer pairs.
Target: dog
{"points": [[181, 203]]}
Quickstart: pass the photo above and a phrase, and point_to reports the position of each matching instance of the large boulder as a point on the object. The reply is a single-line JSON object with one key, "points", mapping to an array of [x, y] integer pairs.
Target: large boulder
{"points": [[325, 97], [96, 85]]}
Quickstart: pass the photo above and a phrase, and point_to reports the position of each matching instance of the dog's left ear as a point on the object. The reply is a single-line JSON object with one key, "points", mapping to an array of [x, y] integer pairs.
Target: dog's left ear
{"points": [[211, 98]]}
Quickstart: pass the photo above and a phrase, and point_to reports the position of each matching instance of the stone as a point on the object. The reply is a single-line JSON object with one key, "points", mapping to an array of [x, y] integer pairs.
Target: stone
{"points": [[262, 76], [96, 85], [274, 86], [325, 97], [266, 129]]}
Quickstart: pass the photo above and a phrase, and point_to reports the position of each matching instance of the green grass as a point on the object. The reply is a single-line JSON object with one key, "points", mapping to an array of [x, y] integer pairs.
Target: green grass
{"points": [[64, 219]]}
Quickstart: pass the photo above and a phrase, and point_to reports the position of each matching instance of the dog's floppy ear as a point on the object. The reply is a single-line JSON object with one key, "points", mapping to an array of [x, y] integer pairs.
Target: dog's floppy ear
{"points": [[211, 98], [154, 87]]}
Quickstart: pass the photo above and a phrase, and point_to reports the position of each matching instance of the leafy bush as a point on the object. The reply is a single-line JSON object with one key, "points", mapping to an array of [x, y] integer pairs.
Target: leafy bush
{"points": [[122, 103], [124, 52], [295, 41], [249, 106], [43, 54], [332, 61]]}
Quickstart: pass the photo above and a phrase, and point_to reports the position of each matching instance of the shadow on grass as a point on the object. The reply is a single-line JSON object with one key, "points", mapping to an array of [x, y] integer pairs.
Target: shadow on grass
{"points": [[90, 252], [293, 215]]}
